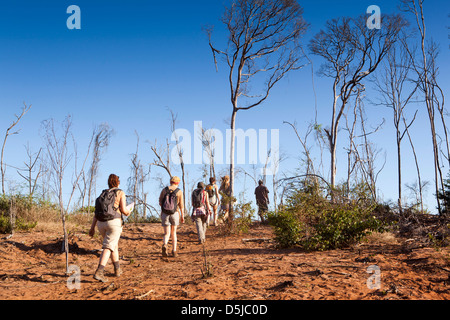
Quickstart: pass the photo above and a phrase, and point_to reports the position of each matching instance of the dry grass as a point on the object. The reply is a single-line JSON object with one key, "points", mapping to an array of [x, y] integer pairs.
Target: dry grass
{"points": [[382, 238], [45, 216]]}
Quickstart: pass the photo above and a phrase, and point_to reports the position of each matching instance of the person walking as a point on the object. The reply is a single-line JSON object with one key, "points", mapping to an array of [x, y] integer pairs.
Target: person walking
{"points": [[262, 200], [109, 207], [226, 199], [214, 202], [172, 213], [200, 211]]}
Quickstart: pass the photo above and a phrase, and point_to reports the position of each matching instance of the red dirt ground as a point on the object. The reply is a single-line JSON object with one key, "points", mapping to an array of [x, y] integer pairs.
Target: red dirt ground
{"points": [[32, 267]]}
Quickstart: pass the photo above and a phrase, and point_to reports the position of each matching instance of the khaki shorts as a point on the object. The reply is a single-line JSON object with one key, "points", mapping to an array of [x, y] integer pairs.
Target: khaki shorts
{"points": [[170, 219], [110, 231]]}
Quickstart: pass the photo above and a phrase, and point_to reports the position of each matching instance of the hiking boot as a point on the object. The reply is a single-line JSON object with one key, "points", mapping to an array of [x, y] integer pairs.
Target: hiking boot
{"points": [[164, 251], [118, 272], [99, 275], [174, 254]]}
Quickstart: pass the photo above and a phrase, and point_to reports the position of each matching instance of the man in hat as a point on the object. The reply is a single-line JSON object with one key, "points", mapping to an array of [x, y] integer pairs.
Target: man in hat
{"points": [[170, 219]]}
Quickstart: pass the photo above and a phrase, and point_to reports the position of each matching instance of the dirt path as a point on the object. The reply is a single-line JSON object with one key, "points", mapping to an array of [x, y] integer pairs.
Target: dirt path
{"points": [[32, 267]]}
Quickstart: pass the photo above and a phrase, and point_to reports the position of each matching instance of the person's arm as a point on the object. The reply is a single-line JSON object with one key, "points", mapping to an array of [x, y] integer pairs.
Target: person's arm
{"points": [[123, 205], [208, 206], [181, 205], [217, 195], [161, 197], [92, 230]]}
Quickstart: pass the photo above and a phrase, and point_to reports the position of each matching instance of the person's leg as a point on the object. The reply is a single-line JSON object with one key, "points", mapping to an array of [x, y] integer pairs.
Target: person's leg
{"points": [[116, 261], [166, 240], [104, 257], [174, 240], [215, 215], [199, 225], [205, 226]]}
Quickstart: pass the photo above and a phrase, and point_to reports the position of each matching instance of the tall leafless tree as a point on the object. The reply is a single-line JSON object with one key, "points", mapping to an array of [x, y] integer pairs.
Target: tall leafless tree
{"points": [[425, 67], [59, 158], [136, 182], [392, 83], [102, 136], [25, 109], [179, 152], [352, 52], [263, 47]]}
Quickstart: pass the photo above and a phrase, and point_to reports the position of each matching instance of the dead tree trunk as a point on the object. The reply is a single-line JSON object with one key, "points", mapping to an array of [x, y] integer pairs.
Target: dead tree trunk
{"points": [[263, 44]]}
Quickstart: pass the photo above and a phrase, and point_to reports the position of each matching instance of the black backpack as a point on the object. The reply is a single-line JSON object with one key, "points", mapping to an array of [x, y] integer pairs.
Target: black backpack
{"points": [[197, 198], [170, 201], [104, 205]]}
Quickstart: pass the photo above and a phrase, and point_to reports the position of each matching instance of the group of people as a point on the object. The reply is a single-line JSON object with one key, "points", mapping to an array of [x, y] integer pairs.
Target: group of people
{"points": [[208, 202]]}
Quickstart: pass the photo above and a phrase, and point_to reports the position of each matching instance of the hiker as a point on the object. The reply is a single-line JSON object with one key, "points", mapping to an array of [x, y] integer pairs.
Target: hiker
{"points": [[172, 212], [225, 202], [213, 195], [109, 208], [262, 200], [200, 210]]}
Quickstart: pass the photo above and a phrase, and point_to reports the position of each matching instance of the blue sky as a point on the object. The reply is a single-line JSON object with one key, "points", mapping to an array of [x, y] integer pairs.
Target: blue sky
{"points": [[133, 59]]}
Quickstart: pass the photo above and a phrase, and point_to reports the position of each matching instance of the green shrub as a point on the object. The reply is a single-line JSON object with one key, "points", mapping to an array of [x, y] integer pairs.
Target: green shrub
{"points": [[287, 228], [5, 225], [243, 213], [311, 220], [340, 227]]}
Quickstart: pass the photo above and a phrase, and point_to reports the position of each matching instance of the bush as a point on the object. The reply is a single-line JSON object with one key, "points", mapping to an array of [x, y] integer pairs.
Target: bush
{"points": [[312, 221], [243, 213], [340, 227], [287, 228], [26, 211]]}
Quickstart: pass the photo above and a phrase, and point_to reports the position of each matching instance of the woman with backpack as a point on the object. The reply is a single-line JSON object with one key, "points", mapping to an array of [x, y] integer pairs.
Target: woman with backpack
{"points": [[109, 208], [214, 202], [172, 213], [225, 192], [200, 211]]}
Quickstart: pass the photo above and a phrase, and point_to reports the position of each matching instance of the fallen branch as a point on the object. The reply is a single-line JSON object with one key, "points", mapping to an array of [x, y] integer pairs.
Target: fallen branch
{"points": [[144, 295], [445, 269], [257, 240], [344, 266]]}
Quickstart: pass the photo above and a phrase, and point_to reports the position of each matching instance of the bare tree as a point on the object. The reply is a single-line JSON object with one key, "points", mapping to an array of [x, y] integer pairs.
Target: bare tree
{"points": [[208, 143], [25, 109], [368, 155], [162, 159], [263, 47], [59, 158], [426, 71], [310, 169], [392, 84], [31, 181], [102, 136], [180, 154], [352, 52], [136, 182]]}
